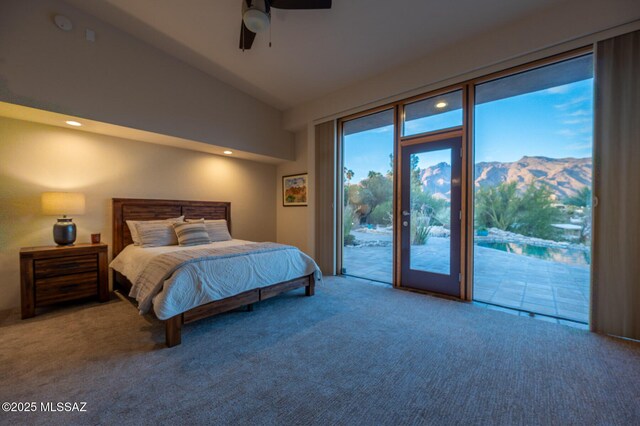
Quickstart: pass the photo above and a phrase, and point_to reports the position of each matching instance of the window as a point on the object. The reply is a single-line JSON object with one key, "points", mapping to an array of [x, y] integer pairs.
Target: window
{"points": [[434, 113]]}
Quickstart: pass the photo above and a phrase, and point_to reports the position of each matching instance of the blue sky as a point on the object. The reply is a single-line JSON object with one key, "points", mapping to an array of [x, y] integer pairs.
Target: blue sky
{"points": [[555, 122]]}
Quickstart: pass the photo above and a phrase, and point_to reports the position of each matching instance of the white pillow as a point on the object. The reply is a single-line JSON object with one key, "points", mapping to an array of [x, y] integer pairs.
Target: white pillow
{"points": [[217, 229], [134, 231]]}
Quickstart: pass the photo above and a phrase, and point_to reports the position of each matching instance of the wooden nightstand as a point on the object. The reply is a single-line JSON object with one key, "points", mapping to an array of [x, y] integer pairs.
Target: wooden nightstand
{"points": [[55, 274]]}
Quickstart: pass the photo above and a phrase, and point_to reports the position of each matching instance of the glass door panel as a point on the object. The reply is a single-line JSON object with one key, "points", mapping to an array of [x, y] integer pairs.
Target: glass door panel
{"points": [[431, 211]]}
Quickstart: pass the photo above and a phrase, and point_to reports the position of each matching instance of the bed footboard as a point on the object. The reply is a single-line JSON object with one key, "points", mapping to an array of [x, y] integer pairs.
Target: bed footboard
{"points": [[173, 326]]}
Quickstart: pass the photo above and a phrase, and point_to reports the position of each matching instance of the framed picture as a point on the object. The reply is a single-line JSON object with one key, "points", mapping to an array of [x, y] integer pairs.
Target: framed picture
{"points": [[295, 190]]}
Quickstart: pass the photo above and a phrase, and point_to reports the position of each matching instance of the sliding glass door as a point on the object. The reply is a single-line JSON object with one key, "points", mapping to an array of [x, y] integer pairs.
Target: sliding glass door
{"points": [[532, 189]]}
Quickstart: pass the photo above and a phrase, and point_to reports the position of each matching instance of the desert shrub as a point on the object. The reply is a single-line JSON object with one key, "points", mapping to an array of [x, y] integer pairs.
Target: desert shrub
{"points": [[382, 215], [348, 219], [536, 214], [529, 213], [581, 199], [497, 206], [374, 190], [421, 224]]}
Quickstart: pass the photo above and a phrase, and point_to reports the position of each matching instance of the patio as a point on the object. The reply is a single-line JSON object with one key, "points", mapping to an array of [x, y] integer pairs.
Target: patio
{"points": [[501, 278]]}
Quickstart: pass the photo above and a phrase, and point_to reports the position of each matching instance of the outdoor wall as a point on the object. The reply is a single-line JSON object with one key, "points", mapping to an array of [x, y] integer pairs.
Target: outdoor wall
{"points": [[35, 158], [121, 80]]}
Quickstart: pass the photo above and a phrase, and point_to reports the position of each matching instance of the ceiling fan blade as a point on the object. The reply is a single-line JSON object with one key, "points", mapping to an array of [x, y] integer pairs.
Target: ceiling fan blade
{"points": [[301, 4], [246, 37]]}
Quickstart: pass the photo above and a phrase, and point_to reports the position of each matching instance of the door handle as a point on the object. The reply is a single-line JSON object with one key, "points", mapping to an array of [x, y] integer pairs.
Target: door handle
{"points": [[405, 213]]}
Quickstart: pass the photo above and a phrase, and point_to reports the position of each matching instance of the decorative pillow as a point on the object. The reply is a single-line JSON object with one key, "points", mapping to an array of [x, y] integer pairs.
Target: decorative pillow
{"points": [[191, 233], [157, 234], [217, 229], [134, 231]]}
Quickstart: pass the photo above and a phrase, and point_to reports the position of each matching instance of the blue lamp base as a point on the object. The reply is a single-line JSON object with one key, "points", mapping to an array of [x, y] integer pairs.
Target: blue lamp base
{"points": [[64, 232]]}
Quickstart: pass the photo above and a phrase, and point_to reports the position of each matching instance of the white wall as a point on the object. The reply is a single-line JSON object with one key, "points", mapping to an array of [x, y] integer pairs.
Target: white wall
{"points": [[118, 79], [35, 158]]}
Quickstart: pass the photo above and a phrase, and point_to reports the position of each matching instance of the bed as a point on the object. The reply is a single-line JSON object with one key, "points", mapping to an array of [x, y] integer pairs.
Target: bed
{"points": [[190, 292]]}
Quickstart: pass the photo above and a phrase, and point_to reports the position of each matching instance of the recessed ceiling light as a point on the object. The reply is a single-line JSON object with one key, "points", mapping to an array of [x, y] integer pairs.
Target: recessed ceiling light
{"points": [[228, 152], [73, 123], [441, 104]]}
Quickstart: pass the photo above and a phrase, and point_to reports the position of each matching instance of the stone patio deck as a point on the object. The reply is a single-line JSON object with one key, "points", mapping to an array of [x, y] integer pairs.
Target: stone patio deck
{"points": [[501, 278]]}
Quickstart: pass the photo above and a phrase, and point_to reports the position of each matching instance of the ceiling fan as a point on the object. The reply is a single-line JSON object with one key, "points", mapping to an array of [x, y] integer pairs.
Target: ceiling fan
{"points": [[256, 15]]}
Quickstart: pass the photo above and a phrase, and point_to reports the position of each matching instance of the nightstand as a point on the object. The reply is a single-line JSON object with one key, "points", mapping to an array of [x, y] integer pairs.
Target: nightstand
{"points": [[53, 274]]}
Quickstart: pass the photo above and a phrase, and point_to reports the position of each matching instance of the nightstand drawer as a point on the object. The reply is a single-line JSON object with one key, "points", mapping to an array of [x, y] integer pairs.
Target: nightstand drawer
{"points": [[44, 268], [67, 287], [54, 274]]}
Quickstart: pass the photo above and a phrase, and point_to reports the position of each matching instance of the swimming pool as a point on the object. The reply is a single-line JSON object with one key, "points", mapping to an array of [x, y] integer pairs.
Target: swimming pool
{"points": [[562, 255]]}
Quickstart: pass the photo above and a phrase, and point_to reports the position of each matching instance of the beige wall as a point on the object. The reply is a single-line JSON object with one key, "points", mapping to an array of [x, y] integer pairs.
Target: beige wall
{"points": [[563, 26], [121, 80], [294, 226], [36, 158]]}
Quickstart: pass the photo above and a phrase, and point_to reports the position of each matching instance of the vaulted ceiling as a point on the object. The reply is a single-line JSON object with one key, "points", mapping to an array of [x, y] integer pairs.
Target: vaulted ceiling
{"points": [[314, 52]]}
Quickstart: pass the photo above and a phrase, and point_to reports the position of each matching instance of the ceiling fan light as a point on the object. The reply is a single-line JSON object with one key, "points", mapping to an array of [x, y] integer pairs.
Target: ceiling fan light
{"points": [[255, 20]]}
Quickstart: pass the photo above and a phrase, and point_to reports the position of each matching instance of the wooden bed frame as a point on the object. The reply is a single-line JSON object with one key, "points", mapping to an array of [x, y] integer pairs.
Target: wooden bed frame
{"points": [[142, 209]]}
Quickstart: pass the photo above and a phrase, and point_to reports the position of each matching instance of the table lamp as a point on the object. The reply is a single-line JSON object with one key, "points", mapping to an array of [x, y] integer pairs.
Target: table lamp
{"points": [[63, 204]]}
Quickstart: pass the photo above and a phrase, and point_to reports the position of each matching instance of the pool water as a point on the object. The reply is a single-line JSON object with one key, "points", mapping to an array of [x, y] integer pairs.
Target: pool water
{"points": [[562, 255]]}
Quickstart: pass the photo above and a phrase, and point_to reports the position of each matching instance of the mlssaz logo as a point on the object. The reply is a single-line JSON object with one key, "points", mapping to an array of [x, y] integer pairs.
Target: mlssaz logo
{"points": [[64, 406]]}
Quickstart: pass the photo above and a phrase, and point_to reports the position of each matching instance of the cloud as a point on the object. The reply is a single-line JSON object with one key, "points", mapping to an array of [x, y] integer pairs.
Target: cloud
{"points": [[573, 102], [384, 129], [580, 113], [580, 146], [584, 130], [576, 121], [567, 132], [559, 90]]}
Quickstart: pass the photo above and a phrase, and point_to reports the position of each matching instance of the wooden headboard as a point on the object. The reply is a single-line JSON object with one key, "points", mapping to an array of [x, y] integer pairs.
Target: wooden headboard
{"points": [[140, 209]]}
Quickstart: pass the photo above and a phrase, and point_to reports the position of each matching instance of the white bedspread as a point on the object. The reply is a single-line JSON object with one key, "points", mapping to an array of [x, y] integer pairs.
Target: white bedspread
{"points": [[197, 283]]}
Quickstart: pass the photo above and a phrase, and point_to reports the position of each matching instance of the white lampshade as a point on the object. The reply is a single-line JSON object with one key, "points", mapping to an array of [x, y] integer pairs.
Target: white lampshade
{"points": [[62, 203]]}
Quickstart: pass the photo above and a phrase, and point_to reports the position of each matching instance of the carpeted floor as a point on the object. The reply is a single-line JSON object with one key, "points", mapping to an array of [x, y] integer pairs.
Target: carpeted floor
{"points": [[356, 353]]}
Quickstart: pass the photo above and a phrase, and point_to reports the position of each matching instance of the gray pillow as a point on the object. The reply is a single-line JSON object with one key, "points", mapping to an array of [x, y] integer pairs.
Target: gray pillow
{"points": [[134, 231], [217, 229], [156, 234], [191, 233]]}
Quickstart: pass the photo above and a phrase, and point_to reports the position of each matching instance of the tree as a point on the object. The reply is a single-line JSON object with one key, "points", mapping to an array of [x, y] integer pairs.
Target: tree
{"points": [[536, 214], [497, 206], [382, 214], [530, 213], [374, 190], [348, 175], [581, 199]]}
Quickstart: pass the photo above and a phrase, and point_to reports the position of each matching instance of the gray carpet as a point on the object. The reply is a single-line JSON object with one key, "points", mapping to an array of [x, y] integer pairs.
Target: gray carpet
{"points": [[356, 353]]}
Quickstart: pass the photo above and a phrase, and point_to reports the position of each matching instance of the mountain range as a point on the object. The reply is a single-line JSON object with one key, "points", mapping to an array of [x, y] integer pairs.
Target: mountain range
{"points": [[564, 176]]}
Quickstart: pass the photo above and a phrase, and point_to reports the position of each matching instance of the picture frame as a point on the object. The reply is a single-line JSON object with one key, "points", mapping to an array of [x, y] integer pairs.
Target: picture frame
{"points": [[295, 190]]}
